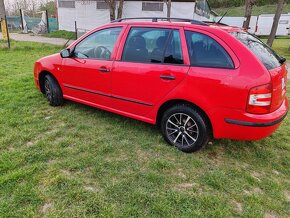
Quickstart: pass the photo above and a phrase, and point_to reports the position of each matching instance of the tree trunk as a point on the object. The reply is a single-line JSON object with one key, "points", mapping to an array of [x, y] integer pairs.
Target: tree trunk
{"points": [[112, 8], [248, 13], [275, 22], [2, 10], [168, 3], [120, 9]]}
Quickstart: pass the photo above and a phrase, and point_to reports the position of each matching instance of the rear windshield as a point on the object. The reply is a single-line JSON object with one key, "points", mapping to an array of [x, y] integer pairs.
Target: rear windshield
{"points": [[262, 51]]}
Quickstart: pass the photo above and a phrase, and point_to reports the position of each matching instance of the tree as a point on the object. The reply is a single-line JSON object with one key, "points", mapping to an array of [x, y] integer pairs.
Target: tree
{"points": [[168, 4], [248, 13], [120, 9], [112, 8], [277, 16], [49, 6]]}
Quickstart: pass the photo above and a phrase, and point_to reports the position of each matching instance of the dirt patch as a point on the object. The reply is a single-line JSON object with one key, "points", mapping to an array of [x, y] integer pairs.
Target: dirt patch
{"points": [[66, 172], [92, 189], [45, 208], [256, 175], [287, 195], [270, 215], [239, 207], [253, 191], [179, 173], [185, 186]]}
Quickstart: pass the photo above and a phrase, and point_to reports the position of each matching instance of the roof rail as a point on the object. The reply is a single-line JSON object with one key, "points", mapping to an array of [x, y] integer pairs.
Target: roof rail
{"points": [[212, 22], [155, 19]]}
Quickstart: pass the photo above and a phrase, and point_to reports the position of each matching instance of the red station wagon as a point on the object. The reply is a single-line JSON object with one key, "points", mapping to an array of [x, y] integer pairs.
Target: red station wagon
{"points": [[193, 79]]}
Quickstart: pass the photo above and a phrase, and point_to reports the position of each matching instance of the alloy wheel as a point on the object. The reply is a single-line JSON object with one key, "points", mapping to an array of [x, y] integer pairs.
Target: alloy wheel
{"points": [[48, 91], [182, 130]]}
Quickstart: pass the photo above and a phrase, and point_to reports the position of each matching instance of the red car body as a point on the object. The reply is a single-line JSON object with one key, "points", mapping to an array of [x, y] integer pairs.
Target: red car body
{"points": [[137, 90]]}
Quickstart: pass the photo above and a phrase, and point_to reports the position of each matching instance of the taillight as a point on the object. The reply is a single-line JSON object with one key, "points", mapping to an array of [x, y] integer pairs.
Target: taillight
{"points": [[259, 100]]}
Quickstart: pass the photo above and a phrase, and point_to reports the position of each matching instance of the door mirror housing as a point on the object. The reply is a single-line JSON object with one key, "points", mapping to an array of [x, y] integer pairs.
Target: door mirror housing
{"points": [[66, 53]]}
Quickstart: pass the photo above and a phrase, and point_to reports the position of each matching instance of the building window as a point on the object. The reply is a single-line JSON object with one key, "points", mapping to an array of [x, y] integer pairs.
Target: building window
{"points": [[102, 5], [152, 6], [66, 4]]}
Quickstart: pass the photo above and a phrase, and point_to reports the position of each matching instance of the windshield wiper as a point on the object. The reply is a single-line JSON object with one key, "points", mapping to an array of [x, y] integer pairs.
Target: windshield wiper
{"points": [[282, 60]]}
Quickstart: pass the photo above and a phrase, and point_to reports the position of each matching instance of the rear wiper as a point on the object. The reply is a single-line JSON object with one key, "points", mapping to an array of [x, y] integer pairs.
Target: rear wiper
{"points": [[282, 60]]}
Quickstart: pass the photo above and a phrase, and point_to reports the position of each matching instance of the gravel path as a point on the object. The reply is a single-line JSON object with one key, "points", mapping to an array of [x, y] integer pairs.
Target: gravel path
{"points": [[35, 38]]}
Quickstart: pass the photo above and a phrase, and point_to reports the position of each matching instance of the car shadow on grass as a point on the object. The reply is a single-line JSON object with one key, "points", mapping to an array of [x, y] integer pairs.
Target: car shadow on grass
{"points": [[233, 148]]}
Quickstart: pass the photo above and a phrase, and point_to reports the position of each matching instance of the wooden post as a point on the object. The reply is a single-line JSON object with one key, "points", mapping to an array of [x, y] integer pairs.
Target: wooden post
{"points": [[47, 23], [8, 38], [3, 20], [76, 30], [168, 4], [21, 20]]}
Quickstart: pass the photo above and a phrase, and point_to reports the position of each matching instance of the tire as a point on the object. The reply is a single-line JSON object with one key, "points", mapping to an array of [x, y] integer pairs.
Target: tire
{"points": [[52, 91], [189, 135]]}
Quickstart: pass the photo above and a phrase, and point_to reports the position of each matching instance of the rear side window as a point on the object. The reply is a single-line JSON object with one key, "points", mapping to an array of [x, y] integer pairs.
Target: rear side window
{"points": [[204, 51], [153, 45], [266, 55]]}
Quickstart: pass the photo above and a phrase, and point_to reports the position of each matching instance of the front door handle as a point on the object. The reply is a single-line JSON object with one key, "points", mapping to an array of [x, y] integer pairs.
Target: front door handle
{"points": [[104, 70], [167, 77]]}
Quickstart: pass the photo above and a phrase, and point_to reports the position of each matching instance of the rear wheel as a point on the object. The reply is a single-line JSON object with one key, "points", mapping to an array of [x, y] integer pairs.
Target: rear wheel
{"points": [[52, 91], [185, 128]]}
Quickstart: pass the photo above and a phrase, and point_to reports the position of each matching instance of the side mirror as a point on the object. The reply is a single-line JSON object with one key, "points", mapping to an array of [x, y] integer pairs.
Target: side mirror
{"points": [[65, 53]]}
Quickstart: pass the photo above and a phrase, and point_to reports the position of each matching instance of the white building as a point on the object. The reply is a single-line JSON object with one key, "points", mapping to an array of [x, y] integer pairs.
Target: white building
{"points": [[91, 13], [261, 25]]}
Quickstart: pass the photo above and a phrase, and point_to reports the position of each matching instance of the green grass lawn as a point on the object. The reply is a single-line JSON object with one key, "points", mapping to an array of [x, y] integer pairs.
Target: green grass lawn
{"points": [[257, 10], [61, 34], [281, 46], [77, 161]]}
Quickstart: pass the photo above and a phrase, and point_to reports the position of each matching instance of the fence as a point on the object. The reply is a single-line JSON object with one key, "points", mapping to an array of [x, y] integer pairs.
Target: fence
{"points": [[14, 23]]}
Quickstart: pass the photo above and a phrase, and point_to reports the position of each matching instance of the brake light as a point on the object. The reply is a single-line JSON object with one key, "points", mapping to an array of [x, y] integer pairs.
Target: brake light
{"points": [[259, 100]]}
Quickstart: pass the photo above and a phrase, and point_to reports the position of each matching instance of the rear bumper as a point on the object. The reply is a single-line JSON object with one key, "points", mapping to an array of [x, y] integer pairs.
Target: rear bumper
{"points": [[255, 124], [244, 126]]}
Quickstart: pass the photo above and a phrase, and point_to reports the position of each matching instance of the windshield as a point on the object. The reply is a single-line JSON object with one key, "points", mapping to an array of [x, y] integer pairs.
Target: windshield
{"points": [[262, 51]]}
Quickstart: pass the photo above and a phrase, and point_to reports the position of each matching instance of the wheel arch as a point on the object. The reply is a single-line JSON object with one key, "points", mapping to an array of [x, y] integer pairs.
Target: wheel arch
{"points": [[41, 77], [166, 105]]}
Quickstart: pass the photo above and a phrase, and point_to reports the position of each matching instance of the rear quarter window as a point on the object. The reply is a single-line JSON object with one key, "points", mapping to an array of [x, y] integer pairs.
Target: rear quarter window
{"points": [[262, 51], [204, 51]]}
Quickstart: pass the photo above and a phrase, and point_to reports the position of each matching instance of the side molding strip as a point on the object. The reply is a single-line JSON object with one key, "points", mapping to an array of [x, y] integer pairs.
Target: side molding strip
{"points": [[107, 95]]}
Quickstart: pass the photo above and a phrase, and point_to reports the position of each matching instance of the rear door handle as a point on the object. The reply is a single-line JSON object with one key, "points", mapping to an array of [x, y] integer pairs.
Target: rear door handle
{"points": [[103, 69], [167, 77]]}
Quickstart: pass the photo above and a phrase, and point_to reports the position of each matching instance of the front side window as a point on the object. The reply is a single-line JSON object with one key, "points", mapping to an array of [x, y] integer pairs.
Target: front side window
{"points": [[204, 51], [153, 45], [265, 54], [98, 45]]}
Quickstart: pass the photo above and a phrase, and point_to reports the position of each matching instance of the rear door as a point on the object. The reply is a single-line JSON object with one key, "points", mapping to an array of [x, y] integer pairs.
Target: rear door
{"points": [[150, 65]]}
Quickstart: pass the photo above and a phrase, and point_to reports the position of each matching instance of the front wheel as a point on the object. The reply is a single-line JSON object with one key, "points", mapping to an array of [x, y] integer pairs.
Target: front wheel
{"points": [[185, 128], [52, 91]]}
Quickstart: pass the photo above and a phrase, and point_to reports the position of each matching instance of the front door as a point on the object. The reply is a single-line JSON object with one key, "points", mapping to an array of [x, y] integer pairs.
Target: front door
{"points": [[86, 76], [151, 65]]}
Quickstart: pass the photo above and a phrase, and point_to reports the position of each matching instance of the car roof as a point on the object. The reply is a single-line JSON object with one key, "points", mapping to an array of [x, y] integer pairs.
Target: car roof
{"points": [[205, 26]]}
